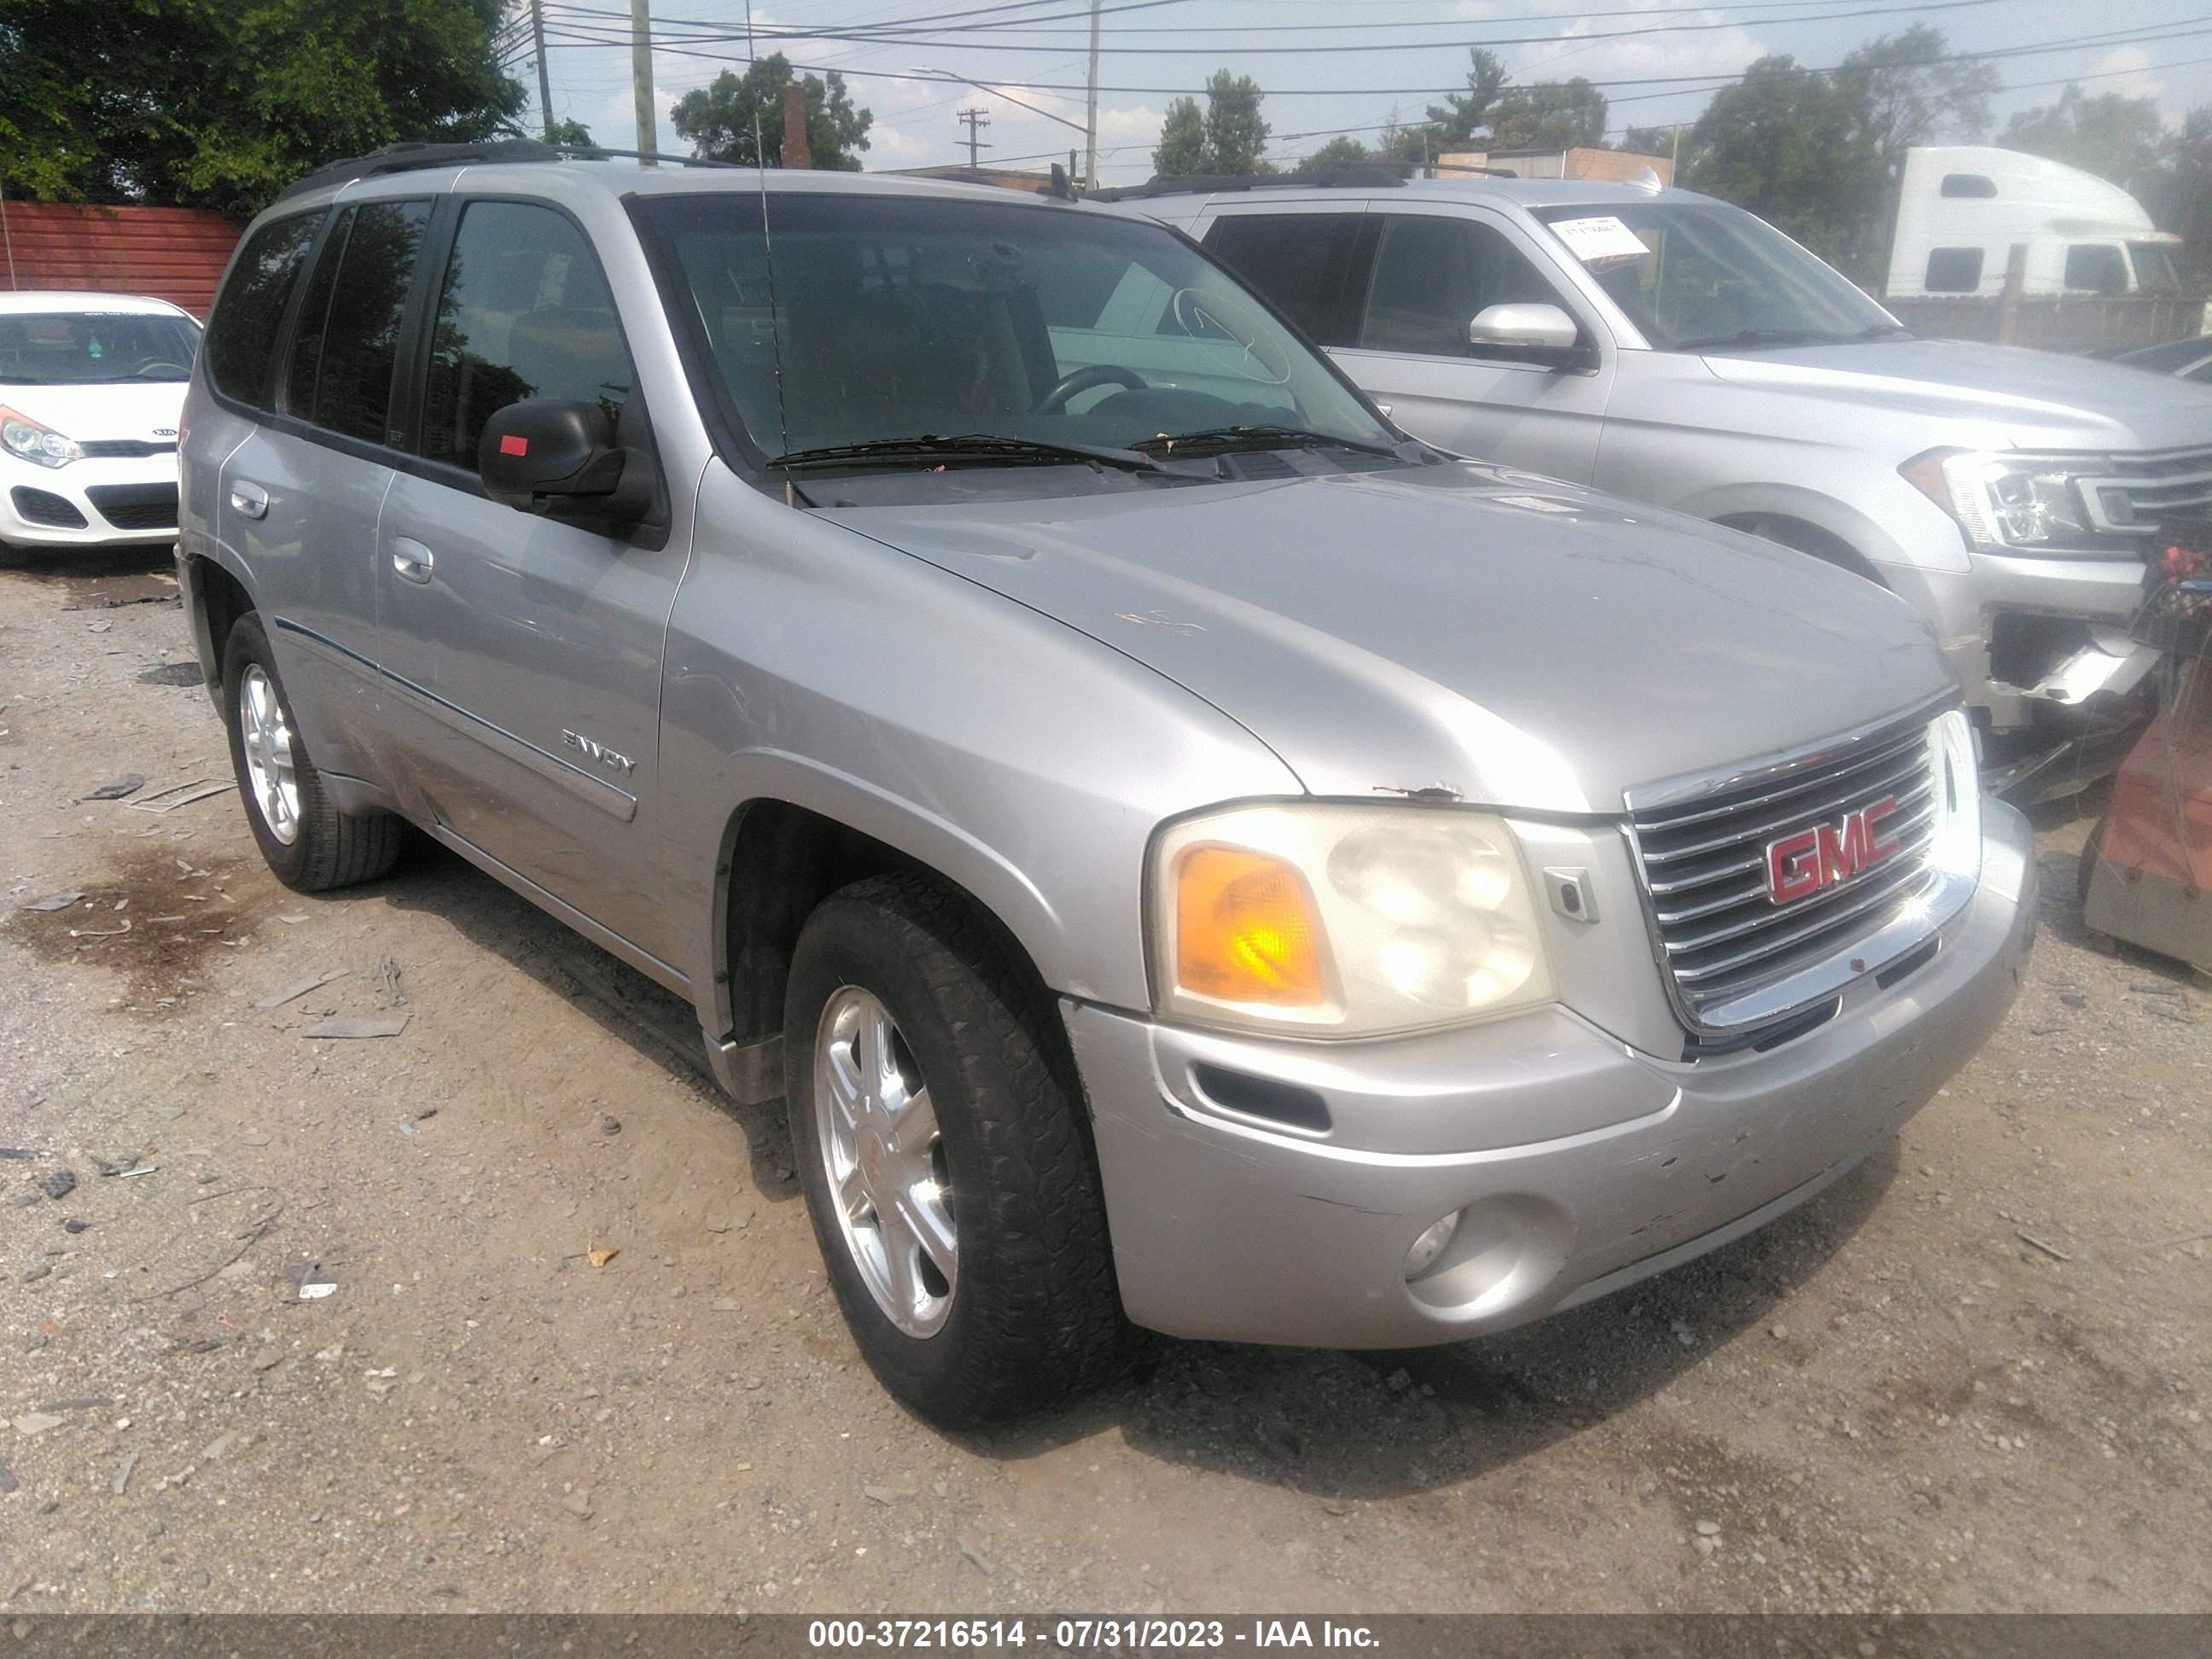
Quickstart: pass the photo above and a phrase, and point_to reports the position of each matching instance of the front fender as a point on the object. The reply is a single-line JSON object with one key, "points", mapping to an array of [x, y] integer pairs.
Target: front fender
{"points": [[1016, 756]]}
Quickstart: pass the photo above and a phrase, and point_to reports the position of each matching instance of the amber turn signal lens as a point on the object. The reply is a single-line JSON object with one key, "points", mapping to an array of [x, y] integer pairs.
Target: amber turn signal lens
{"points": [[1245, 929]]}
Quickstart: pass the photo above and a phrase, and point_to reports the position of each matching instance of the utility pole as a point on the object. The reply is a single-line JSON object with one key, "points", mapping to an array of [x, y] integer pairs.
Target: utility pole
{"points": [[640, 74], [1090, 110], [544, 85], [974, 120]]}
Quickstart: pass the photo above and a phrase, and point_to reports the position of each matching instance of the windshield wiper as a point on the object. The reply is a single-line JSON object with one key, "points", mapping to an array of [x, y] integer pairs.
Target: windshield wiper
{"points": [[981, 448], [1225, 439]]}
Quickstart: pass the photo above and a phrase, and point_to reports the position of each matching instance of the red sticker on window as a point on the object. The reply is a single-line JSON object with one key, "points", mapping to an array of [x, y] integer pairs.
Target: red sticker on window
{"points": [[511, 445]]}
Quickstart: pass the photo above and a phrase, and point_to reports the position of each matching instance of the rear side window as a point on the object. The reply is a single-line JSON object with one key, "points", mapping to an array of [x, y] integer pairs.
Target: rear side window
{"points": [[241, 336], [523, 312], [1301, 261], [347, 343], [1954, 270], [1973, 187]]}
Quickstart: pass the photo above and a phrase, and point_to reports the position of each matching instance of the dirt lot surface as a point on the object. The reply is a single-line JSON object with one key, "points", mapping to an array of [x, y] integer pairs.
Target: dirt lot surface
{"points": [[1972, 1375]]}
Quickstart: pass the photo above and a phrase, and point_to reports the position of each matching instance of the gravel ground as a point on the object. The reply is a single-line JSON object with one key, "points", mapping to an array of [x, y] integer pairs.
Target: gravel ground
{"points": [[1972, 1375]]}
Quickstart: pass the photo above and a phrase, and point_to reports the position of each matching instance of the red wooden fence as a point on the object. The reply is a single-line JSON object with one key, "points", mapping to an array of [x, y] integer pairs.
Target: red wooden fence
{"points": [[175, 254]]}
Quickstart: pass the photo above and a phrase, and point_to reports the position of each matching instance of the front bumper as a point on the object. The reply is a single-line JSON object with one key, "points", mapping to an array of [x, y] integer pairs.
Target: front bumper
{"points": [[70, 506], [1580, 1163]]}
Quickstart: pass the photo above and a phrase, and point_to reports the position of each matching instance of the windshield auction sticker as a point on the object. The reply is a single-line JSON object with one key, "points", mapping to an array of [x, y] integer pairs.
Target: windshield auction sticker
{"points": [[1595, 240]]}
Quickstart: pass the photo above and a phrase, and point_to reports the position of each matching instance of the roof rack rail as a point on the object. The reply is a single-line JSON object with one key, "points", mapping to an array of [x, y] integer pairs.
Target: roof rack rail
{"points": [[415, 157], [1345, 177]]}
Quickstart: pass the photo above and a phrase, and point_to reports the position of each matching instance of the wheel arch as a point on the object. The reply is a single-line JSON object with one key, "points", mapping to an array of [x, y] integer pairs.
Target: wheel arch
{"points": [[1806, 537], [215, 598], [781, 857]]}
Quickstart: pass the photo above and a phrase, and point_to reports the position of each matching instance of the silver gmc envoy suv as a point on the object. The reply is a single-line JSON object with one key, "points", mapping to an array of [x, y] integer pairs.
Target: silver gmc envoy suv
{"points": [[1188, 855], [1674, 349]]}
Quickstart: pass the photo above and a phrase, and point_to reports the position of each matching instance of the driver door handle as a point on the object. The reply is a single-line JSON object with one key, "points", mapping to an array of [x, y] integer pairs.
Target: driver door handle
{"points": [[413, 561], [249, 500]]}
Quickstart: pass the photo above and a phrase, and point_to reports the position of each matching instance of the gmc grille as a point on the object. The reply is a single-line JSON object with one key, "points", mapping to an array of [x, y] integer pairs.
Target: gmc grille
{"points": [[1703, 860]]}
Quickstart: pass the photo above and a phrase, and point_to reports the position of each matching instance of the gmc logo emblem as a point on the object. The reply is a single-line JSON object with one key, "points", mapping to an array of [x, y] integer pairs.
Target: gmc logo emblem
{"points": [[1801, 865]]}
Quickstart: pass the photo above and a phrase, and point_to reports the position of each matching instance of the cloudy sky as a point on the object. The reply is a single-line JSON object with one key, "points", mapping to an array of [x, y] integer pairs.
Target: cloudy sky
{"points": [[1152, 51]]}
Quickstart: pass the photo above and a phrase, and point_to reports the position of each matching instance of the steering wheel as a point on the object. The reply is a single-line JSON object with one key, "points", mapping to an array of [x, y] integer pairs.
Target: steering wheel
{"points": [[183, 370], [1085, 379], [1211, 331]]}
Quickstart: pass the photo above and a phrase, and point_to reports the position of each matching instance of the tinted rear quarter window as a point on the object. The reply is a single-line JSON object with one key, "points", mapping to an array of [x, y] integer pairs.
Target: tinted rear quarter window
{"points": [[342, 367], [241, 336], [523, 312], [1301, 261]]}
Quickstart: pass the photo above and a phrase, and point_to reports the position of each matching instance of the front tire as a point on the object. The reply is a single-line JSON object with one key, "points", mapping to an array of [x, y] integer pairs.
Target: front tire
{"points": [[939, 1135], [310, 844]]}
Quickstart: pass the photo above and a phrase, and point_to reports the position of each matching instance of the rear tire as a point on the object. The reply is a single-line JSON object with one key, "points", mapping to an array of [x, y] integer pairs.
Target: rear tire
{"points": [[1011, 1304], [311, 845]]}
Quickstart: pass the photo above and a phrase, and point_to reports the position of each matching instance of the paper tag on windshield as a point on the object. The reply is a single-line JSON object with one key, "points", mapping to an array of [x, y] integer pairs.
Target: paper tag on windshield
{"points": [[1591, 241]]}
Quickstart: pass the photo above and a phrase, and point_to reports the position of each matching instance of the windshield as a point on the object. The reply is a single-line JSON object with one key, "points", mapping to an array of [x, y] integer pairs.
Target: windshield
{"points": [[895, 318], [1697, 274], [2156, 272], [95, 348]]}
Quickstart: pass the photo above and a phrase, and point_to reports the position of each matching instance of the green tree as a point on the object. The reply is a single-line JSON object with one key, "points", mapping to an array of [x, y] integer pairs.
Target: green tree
{"points": [[196, 104], [1236, 137], [719, 120], [1791, 147], [569, 132], [1908, 95], [1228, 136], [1181, 152], [1548, 115], [1342, 151], [2107, 133], [1462, 115]]}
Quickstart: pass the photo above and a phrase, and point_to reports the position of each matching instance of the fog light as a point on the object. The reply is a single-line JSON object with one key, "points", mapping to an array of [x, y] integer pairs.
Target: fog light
{"points": [[1430, 1245]]}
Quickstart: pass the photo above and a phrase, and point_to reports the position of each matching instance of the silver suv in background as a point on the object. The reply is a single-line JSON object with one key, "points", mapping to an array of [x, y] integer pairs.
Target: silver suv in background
{"points": [[1677, 349], [1186, 853]]}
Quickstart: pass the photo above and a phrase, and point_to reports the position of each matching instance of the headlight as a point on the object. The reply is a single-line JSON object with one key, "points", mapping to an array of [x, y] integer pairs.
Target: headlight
{"points": [[1342, 920], [35, 442], [1956, 845], [2010, 503]]}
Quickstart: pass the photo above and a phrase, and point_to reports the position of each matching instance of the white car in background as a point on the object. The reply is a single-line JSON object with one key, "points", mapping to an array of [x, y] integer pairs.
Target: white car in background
{"points": [[92, 388]]}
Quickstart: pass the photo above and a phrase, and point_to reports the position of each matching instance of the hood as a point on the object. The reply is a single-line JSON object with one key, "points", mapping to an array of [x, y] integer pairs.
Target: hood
{"points": [[2023, 399], [148, 410], [1518, 642]]}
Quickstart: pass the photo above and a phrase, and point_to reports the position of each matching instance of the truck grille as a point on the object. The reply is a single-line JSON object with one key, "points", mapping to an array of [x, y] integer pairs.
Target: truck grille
{"points": [[2143, 490], [1702, 855]]}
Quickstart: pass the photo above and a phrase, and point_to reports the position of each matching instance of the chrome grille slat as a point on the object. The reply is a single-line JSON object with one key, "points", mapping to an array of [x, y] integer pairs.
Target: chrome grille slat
{"points": [[1852, 792], [1703, 878], [1724, 944], [1728, 901]]}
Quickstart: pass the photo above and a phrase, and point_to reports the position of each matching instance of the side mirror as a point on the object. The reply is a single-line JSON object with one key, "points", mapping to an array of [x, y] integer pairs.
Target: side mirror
{"points": [[559, 459], [1536, 329]]}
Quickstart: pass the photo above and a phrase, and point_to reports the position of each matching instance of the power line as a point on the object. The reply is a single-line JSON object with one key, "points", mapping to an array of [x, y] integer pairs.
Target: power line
{"points": [[1919, 8], [2139, 35]]}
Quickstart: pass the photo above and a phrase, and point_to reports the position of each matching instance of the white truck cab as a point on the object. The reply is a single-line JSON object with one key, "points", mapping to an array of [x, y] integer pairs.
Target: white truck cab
{"points": [[1961, 209]]}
